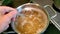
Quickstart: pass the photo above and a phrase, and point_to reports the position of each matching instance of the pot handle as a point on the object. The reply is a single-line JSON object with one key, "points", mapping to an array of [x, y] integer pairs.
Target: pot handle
{"points": [[52, 14], [56, 24]]}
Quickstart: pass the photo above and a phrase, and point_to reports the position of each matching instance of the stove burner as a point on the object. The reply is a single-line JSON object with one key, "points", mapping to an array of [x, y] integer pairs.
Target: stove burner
{"points": [[55, 8]]}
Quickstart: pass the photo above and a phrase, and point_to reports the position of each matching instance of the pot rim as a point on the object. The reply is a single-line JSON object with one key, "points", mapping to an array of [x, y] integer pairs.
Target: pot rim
{"points": [[36, 5]]}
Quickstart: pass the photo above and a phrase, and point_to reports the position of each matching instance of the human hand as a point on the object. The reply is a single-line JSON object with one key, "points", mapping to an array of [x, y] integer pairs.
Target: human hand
{"points": [[6, 18]]}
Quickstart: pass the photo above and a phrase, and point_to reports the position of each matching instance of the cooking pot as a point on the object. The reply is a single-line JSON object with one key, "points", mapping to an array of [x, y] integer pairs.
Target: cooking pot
{"points": [[48, 10]]}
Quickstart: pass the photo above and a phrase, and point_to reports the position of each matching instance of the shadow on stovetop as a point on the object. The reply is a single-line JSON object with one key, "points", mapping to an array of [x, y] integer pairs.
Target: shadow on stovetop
{"points": [[9, 30], [55, 8]]}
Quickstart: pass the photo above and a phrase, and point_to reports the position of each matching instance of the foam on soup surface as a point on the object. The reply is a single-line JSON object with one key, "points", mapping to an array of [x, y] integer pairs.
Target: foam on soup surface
{"points": [[31, 21]]}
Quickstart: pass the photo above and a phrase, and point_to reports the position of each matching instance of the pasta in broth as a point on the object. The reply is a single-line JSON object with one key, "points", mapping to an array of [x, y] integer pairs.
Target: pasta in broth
{"points": [[31, 21]]}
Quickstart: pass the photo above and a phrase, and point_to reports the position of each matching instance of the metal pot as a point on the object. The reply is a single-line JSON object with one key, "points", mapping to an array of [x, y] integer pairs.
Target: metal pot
{"points": [[50, 14]]}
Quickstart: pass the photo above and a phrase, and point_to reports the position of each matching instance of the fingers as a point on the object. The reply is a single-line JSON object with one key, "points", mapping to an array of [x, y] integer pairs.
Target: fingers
{"points": [[13, 19], [4, 9], [12, 15], [5, 19]]}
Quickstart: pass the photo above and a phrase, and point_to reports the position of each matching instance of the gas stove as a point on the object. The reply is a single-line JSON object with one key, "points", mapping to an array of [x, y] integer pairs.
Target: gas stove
{"points": [[51, 28]]}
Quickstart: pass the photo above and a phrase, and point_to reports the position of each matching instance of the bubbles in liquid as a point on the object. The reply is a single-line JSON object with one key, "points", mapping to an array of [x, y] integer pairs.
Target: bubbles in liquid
{"points": [[33, 21]]}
